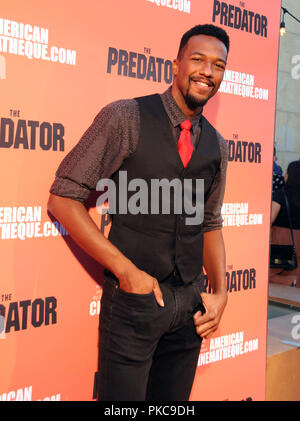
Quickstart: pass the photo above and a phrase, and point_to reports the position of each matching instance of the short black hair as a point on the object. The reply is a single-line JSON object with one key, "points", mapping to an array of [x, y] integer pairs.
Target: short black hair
{"points": [[207, 29]]}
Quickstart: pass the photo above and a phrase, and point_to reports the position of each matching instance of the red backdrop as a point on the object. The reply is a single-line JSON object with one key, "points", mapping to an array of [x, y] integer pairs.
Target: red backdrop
{"points": [[58, 66]]}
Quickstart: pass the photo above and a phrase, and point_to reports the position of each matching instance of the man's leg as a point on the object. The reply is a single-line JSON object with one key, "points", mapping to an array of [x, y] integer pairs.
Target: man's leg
{"points": [[174, 365], [130, 328], [176, 356]]}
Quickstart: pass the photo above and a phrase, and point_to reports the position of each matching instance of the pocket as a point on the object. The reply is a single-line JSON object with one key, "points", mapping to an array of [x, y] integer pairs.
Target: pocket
{"points": [[133, 294], [133, 302], [141, 312], [198, 299]]}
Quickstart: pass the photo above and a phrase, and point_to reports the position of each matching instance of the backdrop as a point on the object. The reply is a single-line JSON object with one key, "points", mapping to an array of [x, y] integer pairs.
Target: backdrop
{"points": [[60, 63]]}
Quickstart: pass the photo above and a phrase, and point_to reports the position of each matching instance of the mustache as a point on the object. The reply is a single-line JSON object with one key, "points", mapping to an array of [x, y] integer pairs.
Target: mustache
{"points": [[202, 79]]}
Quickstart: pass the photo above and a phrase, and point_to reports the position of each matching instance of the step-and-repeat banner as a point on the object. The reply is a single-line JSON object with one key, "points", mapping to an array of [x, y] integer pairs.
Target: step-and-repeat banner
{"points": [[60, 63]]}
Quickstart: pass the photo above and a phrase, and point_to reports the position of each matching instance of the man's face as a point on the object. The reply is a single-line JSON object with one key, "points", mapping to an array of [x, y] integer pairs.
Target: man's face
{"points": [[199, 71]]}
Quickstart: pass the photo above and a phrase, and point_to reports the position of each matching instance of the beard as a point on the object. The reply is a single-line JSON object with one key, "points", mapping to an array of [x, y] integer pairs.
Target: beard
{"points": [[193, 102]]}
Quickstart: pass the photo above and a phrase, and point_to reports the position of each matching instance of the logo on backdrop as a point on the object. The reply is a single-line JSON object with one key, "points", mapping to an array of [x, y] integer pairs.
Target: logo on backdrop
{"points": [[237, 215], [223, 347], [239, 18], [30, 41], [236, 280], [95, 303], [2, 67], [140, 66], [24, 222], [242, 84], [19, 315], [244, 151], [25, 394], [105, 218], [179, 5], [17, 133]]}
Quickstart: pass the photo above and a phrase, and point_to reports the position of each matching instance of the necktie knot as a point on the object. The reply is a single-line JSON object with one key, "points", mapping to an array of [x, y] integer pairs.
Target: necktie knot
{"points": [[186, 125]]}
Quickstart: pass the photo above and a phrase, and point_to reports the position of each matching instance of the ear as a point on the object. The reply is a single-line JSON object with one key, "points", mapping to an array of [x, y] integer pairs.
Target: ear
{"points": [[175, 67]]}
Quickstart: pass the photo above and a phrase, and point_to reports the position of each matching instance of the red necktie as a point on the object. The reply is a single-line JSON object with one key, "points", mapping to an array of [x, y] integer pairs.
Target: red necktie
{"points": [[184, 145]]}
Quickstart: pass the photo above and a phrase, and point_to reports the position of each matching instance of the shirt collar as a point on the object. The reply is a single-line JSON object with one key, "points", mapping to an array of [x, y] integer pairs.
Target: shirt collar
{"points": [[175, 114]]}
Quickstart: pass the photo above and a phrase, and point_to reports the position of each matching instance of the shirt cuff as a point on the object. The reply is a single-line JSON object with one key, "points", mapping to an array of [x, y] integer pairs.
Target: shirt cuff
{"points": [[69, 188]]}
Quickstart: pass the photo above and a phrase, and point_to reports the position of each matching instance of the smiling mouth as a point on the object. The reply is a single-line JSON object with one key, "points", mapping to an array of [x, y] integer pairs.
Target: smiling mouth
{"points": [[202, 83]]}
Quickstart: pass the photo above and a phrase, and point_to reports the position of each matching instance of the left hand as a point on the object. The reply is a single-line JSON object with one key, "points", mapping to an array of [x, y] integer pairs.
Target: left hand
{"points": [[214, 305]]}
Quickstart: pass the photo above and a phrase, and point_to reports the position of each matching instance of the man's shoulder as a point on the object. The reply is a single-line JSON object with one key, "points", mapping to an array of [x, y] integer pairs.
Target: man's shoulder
{"points": [[129, 103], [120, 112], [129, 106], [120, 105], [222, 141]]}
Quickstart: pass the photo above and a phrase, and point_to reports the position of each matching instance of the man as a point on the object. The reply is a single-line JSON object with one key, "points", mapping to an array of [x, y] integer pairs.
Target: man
{"points": [[154, 311]]}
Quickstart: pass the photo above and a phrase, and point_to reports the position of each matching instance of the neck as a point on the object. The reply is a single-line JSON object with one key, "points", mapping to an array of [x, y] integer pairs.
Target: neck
{"points": [[180, 101]]}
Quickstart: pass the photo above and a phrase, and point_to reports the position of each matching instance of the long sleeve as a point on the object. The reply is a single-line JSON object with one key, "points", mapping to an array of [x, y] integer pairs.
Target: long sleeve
{"points": [[111, 138], [212, 211]]}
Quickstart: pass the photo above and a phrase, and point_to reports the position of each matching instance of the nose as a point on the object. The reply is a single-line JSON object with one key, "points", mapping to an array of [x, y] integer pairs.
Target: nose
{"points": [[206, 68]]}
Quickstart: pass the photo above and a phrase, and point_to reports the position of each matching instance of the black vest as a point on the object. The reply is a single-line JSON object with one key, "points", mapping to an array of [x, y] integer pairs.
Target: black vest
{"points": [[159, 243]]}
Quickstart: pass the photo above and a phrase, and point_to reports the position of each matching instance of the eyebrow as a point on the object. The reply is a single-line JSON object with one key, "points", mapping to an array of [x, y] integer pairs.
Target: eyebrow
{"points": [[201, 54]]}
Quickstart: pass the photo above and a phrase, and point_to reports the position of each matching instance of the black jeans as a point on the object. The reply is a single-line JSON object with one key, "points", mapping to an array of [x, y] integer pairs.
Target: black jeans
{"points": [[148, 352]]}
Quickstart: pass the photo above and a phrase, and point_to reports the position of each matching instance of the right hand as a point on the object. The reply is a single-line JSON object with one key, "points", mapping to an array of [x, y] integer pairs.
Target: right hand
{"points": [[137, 281]]}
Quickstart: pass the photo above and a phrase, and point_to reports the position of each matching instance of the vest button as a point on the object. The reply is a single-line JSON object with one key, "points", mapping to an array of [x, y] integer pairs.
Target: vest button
{"points": [[178, 237]]}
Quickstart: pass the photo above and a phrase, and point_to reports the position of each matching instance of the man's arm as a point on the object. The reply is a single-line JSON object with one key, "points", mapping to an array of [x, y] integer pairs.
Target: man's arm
{"points": [[214, 253], [214, 304], [110, 139], [73, 215]]}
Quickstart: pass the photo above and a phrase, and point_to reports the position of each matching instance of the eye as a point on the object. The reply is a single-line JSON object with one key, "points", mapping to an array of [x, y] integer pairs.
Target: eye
{"points": [[197, 59], [220, 66]]}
